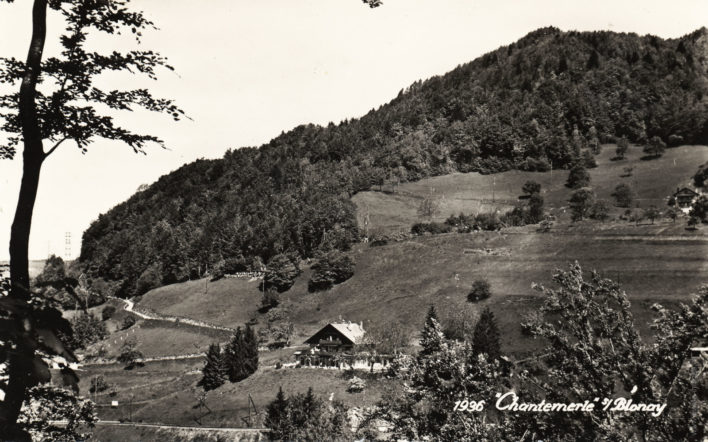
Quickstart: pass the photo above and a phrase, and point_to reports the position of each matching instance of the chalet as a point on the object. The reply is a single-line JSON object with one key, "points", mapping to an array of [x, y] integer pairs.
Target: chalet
{"points": [[332, 345], [684, 197], [337, 337]]}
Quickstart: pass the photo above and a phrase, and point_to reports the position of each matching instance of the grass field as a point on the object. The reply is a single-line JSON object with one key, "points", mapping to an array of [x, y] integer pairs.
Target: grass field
{"points": [[164, 338], [227, 302], [397, 282], [165, 391], [653, 181]]}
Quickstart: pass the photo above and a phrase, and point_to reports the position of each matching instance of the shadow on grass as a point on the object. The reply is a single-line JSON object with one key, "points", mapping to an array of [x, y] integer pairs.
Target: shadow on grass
{"points": [[134, 365]]}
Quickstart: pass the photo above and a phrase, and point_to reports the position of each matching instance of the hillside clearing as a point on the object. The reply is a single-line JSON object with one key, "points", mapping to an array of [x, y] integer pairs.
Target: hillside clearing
{"points": [[653, 182]]}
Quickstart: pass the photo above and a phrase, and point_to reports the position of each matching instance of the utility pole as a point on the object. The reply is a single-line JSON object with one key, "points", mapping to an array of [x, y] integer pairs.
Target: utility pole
{"points": [[494, 183]]}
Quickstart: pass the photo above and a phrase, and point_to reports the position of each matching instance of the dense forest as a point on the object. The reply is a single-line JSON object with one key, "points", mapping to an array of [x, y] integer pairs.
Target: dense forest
{"points": [[545, 101]]}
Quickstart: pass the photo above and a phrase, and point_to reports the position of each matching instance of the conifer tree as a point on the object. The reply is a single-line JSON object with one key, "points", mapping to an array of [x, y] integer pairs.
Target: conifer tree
{"points": [[234, 357], [622, 147], [250, 351], [486, 336], [277, 416], [214, 370], [241, 355], [432, 335]]}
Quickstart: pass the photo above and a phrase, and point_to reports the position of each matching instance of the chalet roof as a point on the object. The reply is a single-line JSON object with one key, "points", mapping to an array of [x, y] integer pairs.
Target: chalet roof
{"points": [[685, 191], [351, 331]]}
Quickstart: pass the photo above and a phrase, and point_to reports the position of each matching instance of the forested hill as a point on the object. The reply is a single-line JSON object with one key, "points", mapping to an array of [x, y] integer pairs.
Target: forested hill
{"points": [[543, 101]]}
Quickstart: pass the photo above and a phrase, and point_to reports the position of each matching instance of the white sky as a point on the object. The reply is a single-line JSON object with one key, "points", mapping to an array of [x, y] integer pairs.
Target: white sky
{"points": [[249, 69]]}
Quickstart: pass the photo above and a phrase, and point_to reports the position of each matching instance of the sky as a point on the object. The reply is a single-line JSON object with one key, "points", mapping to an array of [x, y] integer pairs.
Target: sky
{"points": [[248, 70]]}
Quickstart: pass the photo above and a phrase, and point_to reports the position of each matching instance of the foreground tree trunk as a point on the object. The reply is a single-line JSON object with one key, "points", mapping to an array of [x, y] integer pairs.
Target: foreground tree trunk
{"points": [[33, 157]]}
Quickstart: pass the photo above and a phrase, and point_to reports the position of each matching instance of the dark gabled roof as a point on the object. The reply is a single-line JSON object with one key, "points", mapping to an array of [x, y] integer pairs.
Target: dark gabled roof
{"points": [[685, 191], [349, 331]]}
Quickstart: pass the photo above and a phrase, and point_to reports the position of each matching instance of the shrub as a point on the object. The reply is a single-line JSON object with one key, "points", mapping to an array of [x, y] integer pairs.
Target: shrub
{"points": [[281, 273], [651, 213], [429, 207], [675, 140], [356, 385], [534, 214], [129, 355], [488, 221], [622, 146], [459, 324], [480, 290], [332, 268], [150, 279], [545, 226], [624, 195], [98, 384], [270, 299], [514, 217], [655, 147], [672, 213], [535, 165], [463, 223], [276, 314], [128, 322], [701, 176], [581, 203], [86, 329], [699, 209], [108, 312], [588, 160], [432, 228], [578, 177], [600, 210], [378, 240], [692, 223], [218, 272], [531, 187], [229, 266], [528, 320]]}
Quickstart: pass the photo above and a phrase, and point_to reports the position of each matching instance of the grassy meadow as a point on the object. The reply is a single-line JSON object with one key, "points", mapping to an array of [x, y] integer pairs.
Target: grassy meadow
{"points": [[653, 181]]}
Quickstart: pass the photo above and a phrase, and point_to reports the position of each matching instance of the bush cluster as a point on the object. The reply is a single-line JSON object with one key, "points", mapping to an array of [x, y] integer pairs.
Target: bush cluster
{"points": [[331, 268], [432, 228], [481, 289]]}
